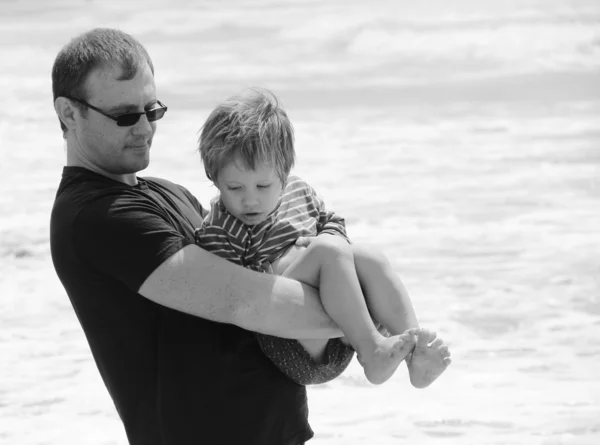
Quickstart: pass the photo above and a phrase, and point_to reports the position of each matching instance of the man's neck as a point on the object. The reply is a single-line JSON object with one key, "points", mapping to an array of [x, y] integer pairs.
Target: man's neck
{"points": [[76, 161]]}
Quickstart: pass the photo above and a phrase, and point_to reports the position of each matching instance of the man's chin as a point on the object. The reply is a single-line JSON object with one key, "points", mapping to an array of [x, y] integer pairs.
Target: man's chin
{"points": [[139, 164], [143, 166], [132, 168]]}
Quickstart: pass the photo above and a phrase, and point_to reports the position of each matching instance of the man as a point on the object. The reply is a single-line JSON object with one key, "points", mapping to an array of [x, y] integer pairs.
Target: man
{"points": [[167, 322]]}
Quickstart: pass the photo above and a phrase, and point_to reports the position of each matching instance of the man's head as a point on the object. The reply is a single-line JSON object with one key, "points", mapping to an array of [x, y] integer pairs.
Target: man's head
{"points": [[97, 77], [250, 129], [95, 49]]}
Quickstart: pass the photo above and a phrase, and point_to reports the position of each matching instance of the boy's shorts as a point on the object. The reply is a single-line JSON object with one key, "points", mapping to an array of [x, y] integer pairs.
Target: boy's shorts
{"points": [[292, 359]]}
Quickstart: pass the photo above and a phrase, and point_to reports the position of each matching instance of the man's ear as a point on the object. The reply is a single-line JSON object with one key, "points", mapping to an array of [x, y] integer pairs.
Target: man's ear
{"points": [[66, 111]]}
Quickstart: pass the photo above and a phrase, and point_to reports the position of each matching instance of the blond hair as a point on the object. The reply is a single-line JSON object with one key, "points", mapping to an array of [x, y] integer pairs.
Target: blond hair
{"points": [[251, 128]]}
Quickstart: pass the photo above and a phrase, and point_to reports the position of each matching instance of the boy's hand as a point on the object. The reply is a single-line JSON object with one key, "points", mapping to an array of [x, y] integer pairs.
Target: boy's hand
{"points": [[304, 241]]}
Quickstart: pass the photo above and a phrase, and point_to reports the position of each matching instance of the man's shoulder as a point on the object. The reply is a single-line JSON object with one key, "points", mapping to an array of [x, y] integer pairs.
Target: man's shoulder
{"points": [[79, 188], [162, 182], [173, 188], [165, 184], [82, 192]]}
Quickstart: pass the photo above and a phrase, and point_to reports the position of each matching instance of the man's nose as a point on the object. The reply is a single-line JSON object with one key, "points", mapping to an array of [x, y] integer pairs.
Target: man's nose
{"points": [[142, 126]]}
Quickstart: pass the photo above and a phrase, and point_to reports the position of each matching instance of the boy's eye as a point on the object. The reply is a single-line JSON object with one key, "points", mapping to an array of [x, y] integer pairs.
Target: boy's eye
{"points": [[264, 186], [233, 188]]}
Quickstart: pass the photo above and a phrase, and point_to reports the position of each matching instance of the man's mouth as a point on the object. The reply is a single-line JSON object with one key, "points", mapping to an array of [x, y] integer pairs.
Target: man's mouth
{"points": [[139, 146]]}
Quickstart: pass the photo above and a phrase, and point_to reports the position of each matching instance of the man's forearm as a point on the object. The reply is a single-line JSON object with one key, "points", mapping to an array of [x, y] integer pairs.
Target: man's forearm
{"points": [[201, 284]]}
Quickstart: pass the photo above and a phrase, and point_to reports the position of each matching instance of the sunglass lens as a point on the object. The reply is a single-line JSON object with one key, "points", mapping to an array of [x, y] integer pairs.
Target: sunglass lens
{"points": [[156, 114], [127, 120]]}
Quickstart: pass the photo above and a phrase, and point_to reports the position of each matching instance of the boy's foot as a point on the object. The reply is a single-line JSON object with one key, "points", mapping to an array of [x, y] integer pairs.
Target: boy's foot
{"points": [[383, 361], [428, 361]]}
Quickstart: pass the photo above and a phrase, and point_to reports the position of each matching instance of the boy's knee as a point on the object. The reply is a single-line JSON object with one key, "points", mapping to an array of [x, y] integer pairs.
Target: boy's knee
{"points": [[332, 248], [370, 256]]}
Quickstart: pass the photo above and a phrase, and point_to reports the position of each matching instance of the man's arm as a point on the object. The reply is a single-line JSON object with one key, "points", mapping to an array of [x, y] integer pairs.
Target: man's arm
{"points": [[200, 283]]}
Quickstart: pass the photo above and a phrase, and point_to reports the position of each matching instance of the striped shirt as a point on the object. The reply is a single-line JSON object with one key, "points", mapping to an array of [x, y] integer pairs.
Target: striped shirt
{"points": [[299, 212]]}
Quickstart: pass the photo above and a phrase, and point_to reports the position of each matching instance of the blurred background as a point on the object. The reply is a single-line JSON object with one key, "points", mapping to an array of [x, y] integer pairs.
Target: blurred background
{"points": [[460, 136]]}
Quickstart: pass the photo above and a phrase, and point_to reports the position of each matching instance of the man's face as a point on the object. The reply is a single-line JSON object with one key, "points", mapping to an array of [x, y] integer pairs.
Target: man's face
{"points": [[103, 145], [249, 195]]}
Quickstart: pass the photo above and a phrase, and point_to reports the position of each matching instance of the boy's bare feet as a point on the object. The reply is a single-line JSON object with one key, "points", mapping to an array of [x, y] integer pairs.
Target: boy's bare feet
{"points": [[382, 362], [429, 359]]}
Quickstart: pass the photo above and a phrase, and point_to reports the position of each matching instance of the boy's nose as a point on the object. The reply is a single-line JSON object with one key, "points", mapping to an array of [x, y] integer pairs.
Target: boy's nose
{"points": [[250, 200]]}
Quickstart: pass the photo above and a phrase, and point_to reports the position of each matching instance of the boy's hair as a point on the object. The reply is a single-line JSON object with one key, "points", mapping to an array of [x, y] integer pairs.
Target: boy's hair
{"points": [[251, 128], [90, 50]]}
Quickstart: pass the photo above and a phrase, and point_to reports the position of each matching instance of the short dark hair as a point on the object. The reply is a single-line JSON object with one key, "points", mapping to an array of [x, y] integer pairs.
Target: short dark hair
{"points": [[90, 50], [252, 127]]}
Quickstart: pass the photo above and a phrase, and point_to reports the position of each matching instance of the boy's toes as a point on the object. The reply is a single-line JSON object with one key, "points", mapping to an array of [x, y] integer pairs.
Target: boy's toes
{"points": [[403, 347], [402, 344], [409, 337], [425, 336], [444, 351], [437, 343], [432, 336], [412, 331]]}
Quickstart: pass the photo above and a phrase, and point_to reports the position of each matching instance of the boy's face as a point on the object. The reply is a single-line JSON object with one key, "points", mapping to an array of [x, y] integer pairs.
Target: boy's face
{"points": [[249, 195]]}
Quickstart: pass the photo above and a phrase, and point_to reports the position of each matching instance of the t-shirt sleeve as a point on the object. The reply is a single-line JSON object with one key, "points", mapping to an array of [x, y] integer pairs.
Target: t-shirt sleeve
{"points": [[194, 202], [126, 238], [328, 222]]}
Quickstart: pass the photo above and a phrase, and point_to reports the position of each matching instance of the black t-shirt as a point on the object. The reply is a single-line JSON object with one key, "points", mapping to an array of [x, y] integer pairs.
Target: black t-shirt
{"points": [[175, 379]]}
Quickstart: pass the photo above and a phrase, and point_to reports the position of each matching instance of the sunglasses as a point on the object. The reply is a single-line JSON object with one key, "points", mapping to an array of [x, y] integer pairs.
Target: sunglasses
{"points": [[129, 119]]}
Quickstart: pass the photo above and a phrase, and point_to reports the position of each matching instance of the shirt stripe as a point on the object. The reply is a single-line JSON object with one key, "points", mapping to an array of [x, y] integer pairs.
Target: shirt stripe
{"points": [[301, 212]]}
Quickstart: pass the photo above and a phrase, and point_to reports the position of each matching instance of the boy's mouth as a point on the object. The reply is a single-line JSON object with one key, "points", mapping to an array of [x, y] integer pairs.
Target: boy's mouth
{"points": [[252, 216]]}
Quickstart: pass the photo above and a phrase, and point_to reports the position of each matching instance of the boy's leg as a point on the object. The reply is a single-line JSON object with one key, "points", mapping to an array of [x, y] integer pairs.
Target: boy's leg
{"points": [[390, 305], [386, 296], [315, 347], [328, 263], [279, 266]]}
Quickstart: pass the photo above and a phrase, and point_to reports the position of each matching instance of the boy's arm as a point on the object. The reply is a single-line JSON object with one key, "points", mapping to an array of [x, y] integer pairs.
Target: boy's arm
{"points": [[328, 222], [199, 283]]}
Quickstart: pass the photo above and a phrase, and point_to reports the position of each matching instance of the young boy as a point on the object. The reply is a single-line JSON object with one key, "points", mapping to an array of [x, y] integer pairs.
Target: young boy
{"points": [[247, 148]]}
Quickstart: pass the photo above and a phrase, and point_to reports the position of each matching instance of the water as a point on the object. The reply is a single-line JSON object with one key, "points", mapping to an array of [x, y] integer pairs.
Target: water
{"points": [[460, 137]]}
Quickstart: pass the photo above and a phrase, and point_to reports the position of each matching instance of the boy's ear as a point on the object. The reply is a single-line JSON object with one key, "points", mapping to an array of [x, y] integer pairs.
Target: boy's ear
{"points": [[66, 112]]}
